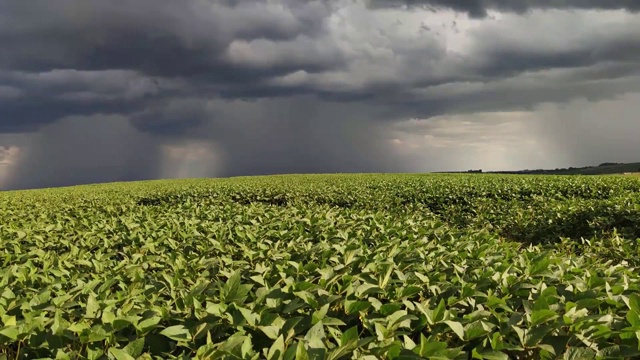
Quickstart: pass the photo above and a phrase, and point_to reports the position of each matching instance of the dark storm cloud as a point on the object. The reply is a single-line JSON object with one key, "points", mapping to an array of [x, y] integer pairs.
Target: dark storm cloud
{"points": [[173, 117], [133, 58], [75, 58], [282, 86], [479, 8], [301, 135], [79, 150], [162, 38], [43, 98], [297, 134], [265, 136], [499, 53]]}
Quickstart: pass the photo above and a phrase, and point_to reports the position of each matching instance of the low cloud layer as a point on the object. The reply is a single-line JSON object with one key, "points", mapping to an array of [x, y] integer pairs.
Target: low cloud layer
{"points": [[114, 91], [481, 8]]}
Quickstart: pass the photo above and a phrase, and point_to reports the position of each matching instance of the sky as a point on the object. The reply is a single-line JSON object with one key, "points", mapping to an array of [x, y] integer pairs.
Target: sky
{"points": [[101, 91]]}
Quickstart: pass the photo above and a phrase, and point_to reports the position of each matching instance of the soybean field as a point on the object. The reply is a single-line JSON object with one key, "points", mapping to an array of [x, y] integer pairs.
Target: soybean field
{"points": [[366, 266]]}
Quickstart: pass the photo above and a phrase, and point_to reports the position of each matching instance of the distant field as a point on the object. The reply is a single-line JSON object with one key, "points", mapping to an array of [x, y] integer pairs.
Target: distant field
{"points": [[608, 169], [324, 266], [603, 169]]}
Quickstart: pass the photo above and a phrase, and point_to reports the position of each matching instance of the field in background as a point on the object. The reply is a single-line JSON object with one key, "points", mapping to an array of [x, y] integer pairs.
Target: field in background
{"points": [[323, 266], [602, 169]]}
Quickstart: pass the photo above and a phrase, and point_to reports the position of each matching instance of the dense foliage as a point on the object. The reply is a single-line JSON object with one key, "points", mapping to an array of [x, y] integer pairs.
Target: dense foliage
{"points": [[323, 266]]}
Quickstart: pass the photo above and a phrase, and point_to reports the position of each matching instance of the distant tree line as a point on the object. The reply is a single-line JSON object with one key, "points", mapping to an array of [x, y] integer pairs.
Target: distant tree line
{"points": [[610, 164]]}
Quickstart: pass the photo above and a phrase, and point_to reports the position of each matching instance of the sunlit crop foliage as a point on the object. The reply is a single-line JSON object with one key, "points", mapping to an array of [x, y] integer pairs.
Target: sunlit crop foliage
{"points": [[323, 267]]}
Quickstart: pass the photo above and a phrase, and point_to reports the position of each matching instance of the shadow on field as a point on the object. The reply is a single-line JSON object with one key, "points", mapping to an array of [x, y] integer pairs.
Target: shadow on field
{"points": [[150, 202], [540, 222], [576, 224], [521, 216]]}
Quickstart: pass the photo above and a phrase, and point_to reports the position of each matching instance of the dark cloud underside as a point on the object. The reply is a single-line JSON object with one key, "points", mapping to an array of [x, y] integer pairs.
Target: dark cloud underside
{"points": [[479, 8], [125, 90]]}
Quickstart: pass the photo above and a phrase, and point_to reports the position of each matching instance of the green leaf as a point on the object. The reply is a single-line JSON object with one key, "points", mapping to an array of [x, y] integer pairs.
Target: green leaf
{"points": [[457, 328], [92, 307], [61, 355], [251, 317], [367, 289], [276, 351], [541, 316], [120, 323], [11, 332], [234, 343], [315, 336], [78, 327], [410, 291], [205, 351], [579, 353], [548, 348], [149, 324], [356, 306], [388, 309], [216, 309], [177, 333], [289, 327], [9, 320], [493, 355], [301, 352], [320, 313], [308, 298], [587, 304], [535, 335], [474, 330], [521, 335], [233, 291], [94, 352], [618, 352], [120, 354], [108, 317], [348, 336], [634, 302], [272, 332], [539, 265], [96, 334], [633, 318], [429, 348], [439, 312], [329, 321], [59, 323], [290, 353], [342, 351], [135, 347]]}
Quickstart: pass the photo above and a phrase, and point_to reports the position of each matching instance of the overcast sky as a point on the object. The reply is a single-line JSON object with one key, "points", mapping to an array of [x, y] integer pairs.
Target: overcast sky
{"points": [[96, 91]]}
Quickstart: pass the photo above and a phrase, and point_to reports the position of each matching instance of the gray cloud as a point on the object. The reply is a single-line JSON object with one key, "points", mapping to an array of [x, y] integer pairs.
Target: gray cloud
{"points": [[295, 134], [80, 150], [563, 41], [287, 86], [4, 154], [301, 135], [479, 8], [575, 133], [39, 99], [154, 37]]}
